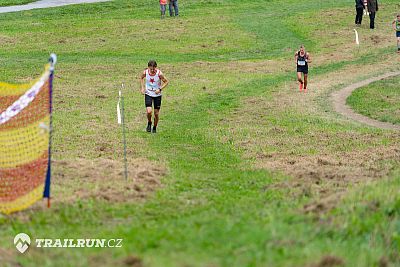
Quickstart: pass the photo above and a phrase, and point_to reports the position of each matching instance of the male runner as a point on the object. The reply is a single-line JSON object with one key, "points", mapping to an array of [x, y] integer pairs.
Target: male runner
{"points": [[152, 83]]}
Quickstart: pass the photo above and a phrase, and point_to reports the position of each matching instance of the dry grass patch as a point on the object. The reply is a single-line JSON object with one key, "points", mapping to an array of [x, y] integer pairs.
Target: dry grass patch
{"points": [[104, 179]]}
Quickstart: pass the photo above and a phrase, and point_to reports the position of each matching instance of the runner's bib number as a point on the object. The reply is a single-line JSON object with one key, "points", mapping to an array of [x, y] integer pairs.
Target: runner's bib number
{"points": [[301, 63]]}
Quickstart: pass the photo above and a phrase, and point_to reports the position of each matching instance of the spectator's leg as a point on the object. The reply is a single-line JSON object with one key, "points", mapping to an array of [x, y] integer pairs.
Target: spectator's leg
{"points": [[358, 16], [356, 20], [372, 20], [171, 14], [176, 8], [163, 8]]}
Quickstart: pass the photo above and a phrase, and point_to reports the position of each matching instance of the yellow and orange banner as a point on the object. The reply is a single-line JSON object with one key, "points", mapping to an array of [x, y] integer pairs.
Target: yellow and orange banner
{"points": [[25, 131]]}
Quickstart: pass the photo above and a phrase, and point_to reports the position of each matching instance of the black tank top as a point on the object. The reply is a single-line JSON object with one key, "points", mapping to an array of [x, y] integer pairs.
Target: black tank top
{"points": [[301, 60]]}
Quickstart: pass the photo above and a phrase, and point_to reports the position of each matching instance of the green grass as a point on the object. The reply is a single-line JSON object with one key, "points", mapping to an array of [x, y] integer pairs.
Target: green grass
{"points": [[15, 2], [379, 100], [216, 207]]}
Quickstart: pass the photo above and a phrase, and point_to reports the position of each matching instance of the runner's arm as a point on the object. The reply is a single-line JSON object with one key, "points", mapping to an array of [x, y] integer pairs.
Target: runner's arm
{"points": [[165, 82], [295, 58], [141, 78], [308, 58]]}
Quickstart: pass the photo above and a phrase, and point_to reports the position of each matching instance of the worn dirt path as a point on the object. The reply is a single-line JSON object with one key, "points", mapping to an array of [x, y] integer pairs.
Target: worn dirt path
{"points": [[46, 4], [339, 102]]}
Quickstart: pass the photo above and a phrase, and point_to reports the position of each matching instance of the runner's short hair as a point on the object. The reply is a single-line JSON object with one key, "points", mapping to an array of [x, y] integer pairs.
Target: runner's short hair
{"points": [[152, 63]]}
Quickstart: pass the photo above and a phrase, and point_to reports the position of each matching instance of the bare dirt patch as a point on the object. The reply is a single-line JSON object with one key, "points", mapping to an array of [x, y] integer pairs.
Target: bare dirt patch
{"points": [[100, 179], [329, 261], [327, 177], [133, 261], [104, 179]]}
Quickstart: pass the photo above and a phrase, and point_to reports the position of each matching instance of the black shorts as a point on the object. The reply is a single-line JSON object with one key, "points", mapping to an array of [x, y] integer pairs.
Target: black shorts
{"points": [[303, 69], [149, 100]]}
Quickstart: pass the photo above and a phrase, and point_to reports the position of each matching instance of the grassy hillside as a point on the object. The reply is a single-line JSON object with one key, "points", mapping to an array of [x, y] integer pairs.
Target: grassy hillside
{"points": [[244, 169]]}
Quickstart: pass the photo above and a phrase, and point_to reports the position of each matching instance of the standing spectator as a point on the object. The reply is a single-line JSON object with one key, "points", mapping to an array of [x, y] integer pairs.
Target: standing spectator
{"points": [[163, 7], [372, 9], [396, 27], [359, 9], [173, 4]]}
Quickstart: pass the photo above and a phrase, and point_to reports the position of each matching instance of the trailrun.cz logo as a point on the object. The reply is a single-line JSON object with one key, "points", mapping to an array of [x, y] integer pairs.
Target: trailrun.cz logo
{"points": [[22, 242]]}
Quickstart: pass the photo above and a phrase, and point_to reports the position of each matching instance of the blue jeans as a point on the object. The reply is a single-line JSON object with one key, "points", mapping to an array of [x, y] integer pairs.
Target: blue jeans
{"points": [[173, 4], [163, 8]]}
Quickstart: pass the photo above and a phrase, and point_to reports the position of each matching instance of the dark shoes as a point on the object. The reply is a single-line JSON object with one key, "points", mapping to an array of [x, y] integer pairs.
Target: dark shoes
{"points": [[148, 129]]}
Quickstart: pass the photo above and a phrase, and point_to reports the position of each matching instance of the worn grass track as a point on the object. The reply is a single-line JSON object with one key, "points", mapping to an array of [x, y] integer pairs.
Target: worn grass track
{"points": [[256, 174]]}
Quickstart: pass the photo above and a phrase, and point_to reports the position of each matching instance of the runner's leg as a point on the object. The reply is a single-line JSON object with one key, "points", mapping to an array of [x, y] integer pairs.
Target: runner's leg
{"points": [[305, 81], [157, 106], [300, 80], [156, 117], [398, 44], [148, 102], [149, 113]]}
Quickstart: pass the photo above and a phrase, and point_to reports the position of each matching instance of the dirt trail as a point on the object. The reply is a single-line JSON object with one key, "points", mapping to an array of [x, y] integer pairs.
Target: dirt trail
{"points": [[339, 102], [293, 123], [46, 4]]}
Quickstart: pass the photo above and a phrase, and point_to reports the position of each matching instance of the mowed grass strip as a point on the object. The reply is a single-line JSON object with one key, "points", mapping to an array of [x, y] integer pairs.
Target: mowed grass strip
{"points": [[215, 208], [379, 100], [15, 2]]}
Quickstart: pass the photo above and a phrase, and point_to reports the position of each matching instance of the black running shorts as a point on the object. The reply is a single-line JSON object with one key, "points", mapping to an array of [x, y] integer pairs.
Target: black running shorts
{"points": [[303, 69], [149, 100]]}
